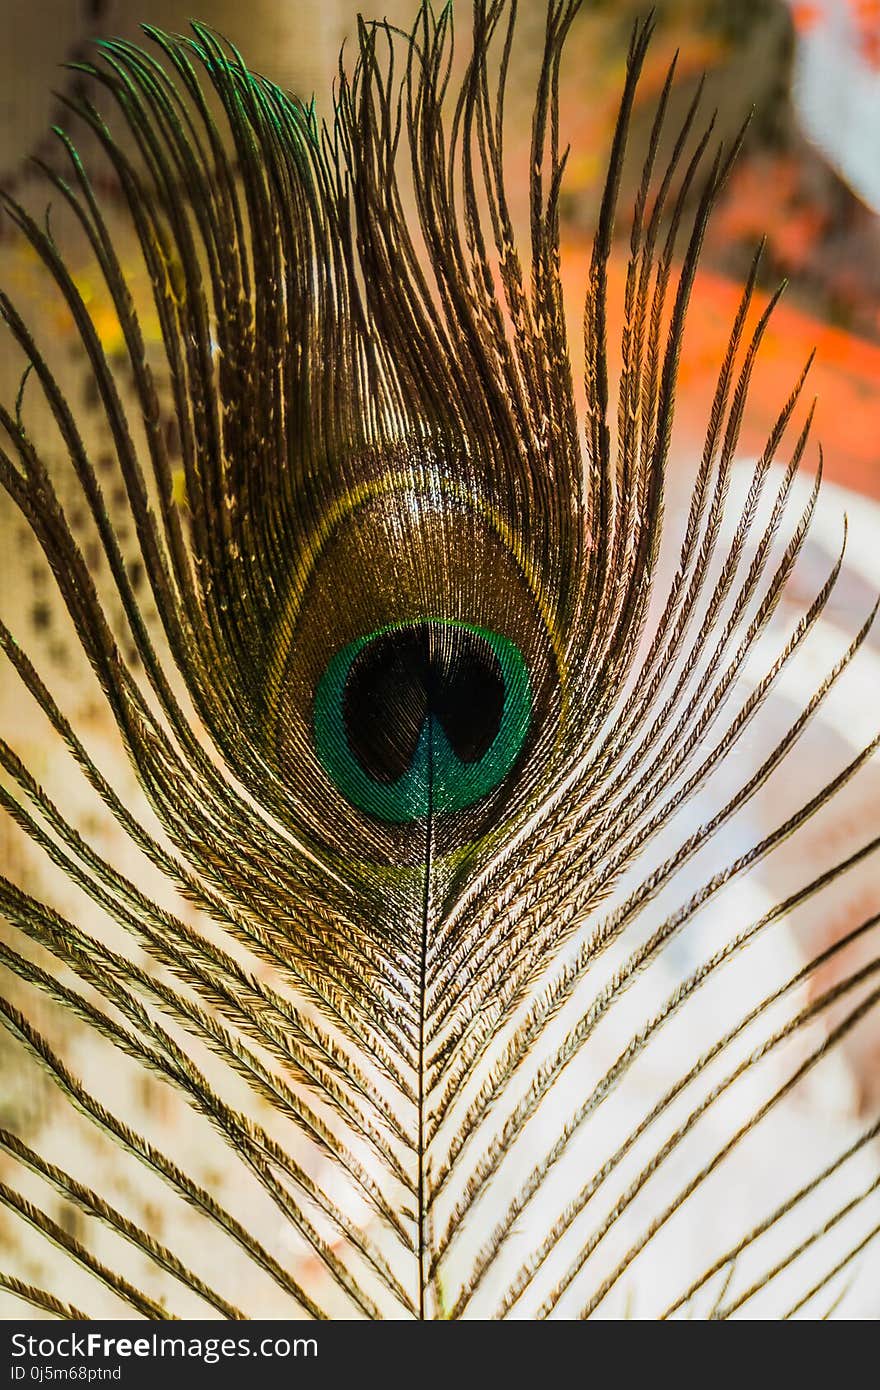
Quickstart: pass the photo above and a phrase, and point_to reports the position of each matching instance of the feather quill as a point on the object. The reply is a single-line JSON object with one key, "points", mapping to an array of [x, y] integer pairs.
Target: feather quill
{"points": [[389, 686]]}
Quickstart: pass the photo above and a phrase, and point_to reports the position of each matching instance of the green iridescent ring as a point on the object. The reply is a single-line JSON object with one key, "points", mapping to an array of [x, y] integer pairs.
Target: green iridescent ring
{"points": [[419, 718]]}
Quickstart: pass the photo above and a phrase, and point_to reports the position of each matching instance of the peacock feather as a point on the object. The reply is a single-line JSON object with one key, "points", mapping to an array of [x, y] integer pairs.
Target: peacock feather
{"points": [[419, 719]]}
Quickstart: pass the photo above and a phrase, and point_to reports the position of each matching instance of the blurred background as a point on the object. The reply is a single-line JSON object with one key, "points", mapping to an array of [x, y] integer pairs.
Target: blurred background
{"points": [[808, 180]]}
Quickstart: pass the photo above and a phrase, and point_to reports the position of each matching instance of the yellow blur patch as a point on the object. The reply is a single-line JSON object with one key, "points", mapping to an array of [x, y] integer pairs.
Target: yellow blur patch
{"points": [[178, 488]]}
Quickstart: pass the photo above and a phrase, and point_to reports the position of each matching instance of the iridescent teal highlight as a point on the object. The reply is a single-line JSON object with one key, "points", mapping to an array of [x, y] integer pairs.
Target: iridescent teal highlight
{"points": [[436, 780]]}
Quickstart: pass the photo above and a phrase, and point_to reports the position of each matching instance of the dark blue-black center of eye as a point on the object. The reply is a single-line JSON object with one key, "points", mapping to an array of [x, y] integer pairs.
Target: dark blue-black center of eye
{"points": [[422, 718], [409, 675]]}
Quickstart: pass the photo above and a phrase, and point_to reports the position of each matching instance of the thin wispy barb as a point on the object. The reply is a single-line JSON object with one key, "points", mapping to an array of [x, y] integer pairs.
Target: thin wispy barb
{"points": [[433, 751]]}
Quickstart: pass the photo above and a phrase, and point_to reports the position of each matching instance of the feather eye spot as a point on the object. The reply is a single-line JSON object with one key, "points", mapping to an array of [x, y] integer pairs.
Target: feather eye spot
{"points": [[422, 718]]}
